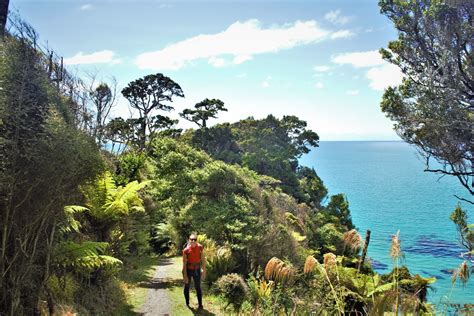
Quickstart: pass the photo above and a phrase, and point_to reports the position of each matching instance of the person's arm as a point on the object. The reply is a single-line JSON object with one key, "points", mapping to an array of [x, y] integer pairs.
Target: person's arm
{"points": [[185, 272], [203, 264]]}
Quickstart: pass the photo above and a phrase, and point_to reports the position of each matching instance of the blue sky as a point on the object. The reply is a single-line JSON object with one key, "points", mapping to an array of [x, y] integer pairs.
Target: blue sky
{"points": [[313, 59]]}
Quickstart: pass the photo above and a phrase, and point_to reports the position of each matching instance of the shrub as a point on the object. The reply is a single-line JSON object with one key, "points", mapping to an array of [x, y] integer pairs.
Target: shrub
{"points": [[233, 289], [161, 237], [218, 264]]}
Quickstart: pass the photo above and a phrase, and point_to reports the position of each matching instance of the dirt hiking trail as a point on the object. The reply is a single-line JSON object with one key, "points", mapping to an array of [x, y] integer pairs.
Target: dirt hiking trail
{"points": [[165, 294]]}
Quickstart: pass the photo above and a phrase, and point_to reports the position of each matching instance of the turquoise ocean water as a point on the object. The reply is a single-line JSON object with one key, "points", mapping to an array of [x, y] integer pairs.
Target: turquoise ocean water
{"points": [[388, 191]]}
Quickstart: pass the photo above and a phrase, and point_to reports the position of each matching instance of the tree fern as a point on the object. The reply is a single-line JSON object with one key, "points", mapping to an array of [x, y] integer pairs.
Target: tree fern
{"points": [[70, 224], [106, 203], [84, 257]]}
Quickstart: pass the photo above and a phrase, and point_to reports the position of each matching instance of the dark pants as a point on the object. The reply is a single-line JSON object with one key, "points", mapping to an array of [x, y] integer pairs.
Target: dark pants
{"points": [[196, 276]]}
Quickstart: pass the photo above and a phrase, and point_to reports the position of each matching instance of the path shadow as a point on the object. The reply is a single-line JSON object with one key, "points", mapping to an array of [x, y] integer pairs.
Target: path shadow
{"points": [[203, 312], [165, 261], [161, 284]]}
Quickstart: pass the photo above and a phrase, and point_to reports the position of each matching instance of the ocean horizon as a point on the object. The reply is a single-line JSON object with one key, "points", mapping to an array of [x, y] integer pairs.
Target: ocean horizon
{"points": [[388, 191]]}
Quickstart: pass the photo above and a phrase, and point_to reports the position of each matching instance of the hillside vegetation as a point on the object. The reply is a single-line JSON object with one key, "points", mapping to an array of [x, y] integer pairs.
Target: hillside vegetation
{"points": [[83, 195]]}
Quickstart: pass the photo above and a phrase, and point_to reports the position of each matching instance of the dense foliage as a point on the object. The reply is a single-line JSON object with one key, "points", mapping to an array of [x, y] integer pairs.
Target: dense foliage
{"points": [[434, 107], [44, 159], [73, 213]]}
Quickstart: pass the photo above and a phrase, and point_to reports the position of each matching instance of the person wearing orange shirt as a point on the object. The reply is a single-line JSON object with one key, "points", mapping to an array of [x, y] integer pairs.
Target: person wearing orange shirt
{"points": [[194, 267]]}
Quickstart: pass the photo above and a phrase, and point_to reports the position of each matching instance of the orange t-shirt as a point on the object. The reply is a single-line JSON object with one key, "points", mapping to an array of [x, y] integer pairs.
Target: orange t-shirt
{"points": [[193, 255]]}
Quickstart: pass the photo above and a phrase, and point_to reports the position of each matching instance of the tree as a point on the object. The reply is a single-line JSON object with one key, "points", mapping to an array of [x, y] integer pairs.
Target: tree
{"points": [[122, 133], [3, 16], [44, 159], [434, 107], [147, 94], [106, 204], [272, 147], [204, 110], [103, 99], [312, 187], [465, 231]]}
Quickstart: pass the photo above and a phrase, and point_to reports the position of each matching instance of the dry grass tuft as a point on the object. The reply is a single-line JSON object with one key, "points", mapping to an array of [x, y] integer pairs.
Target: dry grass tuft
{"points": [[329, 260], [352, 240], [395, 247], [278, 270], [462, 272], [309, 264]]}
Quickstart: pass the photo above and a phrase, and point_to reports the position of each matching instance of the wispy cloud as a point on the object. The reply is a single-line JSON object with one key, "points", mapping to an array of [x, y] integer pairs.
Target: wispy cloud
{"points": [[352, 92], [336, 17], [87, 7], [241, 59], [359, 59], [342, 34], [321, 68], [216, 62], [241, 41], [381, 73], [384, 76], [319, 85], [266, 82], [102, 57]]}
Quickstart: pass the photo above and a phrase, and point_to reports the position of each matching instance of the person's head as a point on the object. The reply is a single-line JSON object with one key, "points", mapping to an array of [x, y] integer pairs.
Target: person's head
{"points": [[193, 239]]}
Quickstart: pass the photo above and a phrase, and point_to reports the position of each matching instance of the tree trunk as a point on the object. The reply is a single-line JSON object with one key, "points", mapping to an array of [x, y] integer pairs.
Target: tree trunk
{"points": [[364, 251], [3, 16]]}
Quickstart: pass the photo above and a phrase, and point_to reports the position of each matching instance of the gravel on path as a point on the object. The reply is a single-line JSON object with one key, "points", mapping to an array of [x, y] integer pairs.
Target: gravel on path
{"points": [[158, 302]]}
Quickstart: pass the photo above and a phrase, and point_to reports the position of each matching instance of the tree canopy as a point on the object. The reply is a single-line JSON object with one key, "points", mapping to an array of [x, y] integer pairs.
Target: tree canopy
{"points": [[434, 107], [150, 93], [204, 110]]}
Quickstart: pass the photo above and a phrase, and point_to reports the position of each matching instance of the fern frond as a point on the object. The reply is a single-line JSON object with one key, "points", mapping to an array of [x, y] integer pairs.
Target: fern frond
{"points": [[96, 262], [100, 192], [86, 256], [70, 224]]}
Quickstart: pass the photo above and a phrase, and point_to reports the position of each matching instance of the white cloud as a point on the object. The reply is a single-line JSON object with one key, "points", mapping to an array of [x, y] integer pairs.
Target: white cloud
{"points": [[321, 68], [384, 76], [381, 73], [359, 59], [242, 40], [319, 85], [241, 59], [335, 17], [102, 57], [352, 92], [87, 7], [216, 62], [266, 82], [342, 34]]}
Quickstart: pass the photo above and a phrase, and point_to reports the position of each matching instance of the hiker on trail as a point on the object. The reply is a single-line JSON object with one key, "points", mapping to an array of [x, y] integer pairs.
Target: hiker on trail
{"points": [[194, 266]]}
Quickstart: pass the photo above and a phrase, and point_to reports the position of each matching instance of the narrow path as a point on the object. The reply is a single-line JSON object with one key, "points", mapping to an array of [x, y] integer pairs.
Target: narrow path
{"points": [[165, 293], [158, 301]]}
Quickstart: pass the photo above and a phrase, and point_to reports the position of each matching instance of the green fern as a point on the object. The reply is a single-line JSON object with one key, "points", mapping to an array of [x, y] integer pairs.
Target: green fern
{"points": [[84, 257], [70, 224]]}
